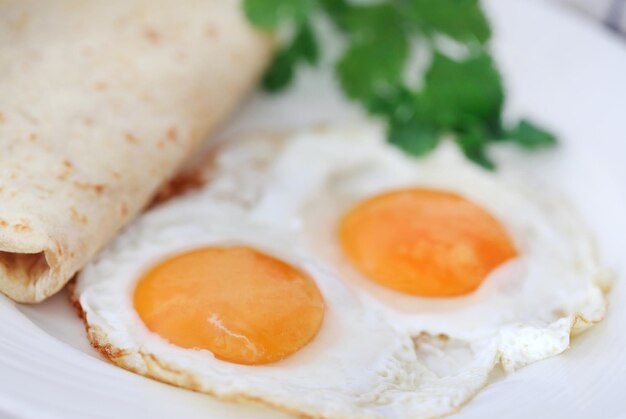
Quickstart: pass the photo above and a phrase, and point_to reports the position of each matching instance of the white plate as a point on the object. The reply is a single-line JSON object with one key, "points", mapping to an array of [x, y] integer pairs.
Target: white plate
{"points": [[560, 69]]}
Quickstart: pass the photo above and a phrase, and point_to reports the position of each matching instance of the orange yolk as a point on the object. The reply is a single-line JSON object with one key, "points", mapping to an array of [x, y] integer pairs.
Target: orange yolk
{"points": [[424, 242], [242, 305]]}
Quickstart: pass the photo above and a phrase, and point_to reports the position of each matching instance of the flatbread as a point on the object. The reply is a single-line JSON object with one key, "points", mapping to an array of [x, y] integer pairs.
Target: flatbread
{"points": [[100, 102]]}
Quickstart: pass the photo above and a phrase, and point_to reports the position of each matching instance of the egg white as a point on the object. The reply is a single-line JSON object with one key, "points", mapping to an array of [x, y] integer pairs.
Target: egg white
{"points": [[529, 306], [379, 353], [357, 365]]}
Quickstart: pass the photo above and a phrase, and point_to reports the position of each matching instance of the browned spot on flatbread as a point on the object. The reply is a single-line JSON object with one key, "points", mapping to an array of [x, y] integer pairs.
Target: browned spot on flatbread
{"points": [[21, 22], [88, 121], [66, 170], [1, 117], [211, 31], [179, 185], [32, 136], [98, 188], [152, 35], [172, 134], [236, 56], [131, 138], [100, 86], [3, 223], [59, 248], [22, 228], [124, 209], [78, 217]]}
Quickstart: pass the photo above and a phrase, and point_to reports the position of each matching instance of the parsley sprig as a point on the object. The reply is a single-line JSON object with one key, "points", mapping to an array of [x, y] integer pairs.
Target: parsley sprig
{"points": [[461, 97]]}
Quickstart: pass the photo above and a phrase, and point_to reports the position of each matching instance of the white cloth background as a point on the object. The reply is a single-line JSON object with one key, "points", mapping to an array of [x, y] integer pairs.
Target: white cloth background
{"points": [[611, 13]]}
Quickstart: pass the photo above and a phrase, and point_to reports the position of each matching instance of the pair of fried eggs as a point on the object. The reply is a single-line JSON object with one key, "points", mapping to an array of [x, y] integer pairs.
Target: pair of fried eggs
{"points": [[328, 274]]}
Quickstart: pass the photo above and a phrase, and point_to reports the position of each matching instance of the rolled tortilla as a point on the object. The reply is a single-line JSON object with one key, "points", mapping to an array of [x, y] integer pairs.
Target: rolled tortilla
{"points": [[100, 102]]}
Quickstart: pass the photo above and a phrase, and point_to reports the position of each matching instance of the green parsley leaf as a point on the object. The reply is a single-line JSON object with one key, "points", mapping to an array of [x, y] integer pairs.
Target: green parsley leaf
{"points": [[458, 91], [303, 48], [395, 103], [335, 10], [530, 136], [462, 20], [270, 14], [281, 71], [306, 45], [374, 63], [370, 67], [412, 136], [370, 21], [463, 98], [473, 142]]}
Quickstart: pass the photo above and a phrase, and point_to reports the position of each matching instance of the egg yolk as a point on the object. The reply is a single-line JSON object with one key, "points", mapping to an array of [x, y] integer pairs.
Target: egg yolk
{"points": [[424, 242], [242, 305]]}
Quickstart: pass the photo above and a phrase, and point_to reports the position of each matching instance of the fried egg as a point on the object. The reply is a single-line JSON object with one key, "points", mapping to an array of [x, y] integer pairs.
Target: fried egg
{"points": [[327, 274]]}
